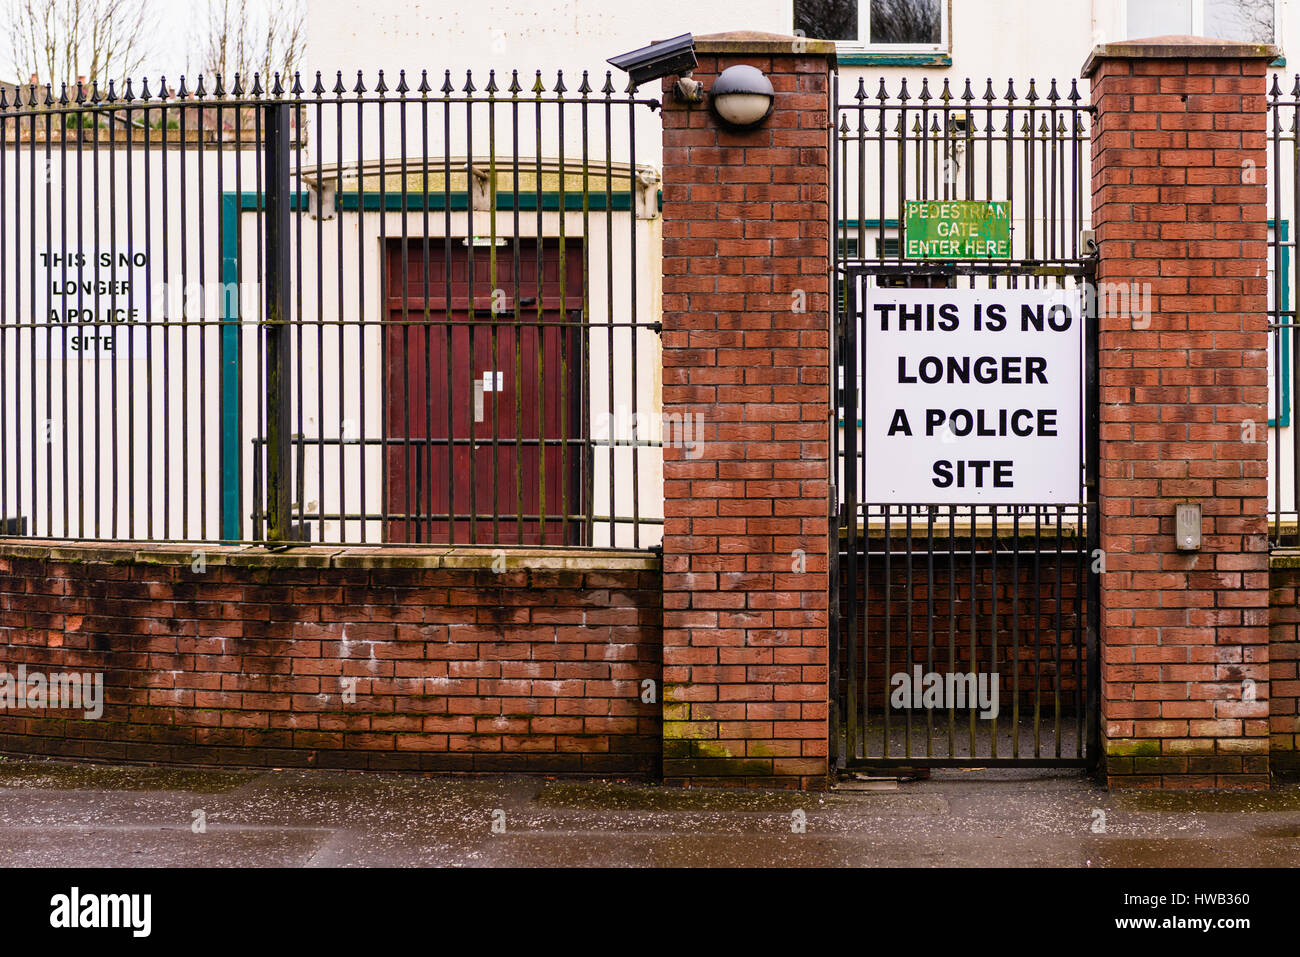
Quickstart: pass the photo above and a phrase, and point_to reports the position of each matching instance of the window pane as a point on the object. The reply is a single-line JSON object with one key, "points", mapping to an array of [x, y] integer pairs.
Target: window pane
{"points": [[1247, 20], [1158, 18], [827, 19], [906, 21]]}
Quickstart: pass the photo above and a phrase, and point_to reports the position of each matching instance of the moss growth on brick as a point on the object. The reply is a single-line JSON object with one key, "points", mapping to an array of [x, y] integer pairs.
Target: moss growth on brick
{"points": [[676, 729], [710, 757], [670, 690], [1132, 747]]}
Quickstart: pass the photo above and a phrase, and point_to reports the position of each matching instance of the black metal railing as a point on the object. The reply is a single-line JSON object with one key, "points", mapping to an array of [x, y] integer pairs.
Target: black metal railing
{"points": [[402, 310], [996, 591], [1003, 590], [1283, 179], [1030, 150]]}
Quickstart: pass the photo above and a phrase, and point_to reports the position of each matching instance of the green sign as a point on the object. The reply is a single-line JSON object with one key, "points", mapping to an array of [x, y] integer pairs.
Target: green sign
{"points": [[956, 229]]}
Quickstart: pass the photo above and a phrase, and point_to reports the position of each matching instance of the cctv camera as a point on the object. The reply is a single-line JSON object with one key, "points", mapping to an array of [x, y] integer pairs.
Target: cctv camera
{"points": [[663, 58]]}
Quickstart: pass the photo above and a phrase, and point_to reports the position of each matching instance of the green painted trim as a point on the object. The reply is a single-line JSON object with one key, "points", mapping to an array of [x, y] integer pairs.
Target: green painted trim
{"points": [[1284, 344], [232, 204], [867, 224], [894, 59], [459, 202], [231, 524], [251, 202], [370, 201], [1280, 61]]}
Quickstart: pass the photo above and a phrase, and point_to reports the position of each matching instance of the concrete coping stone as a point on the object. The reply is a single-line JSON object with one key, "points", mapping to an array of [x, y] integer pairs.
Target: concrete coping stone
{"points": [[1284, 558], [765, 44], [318, 556], [1177, 47]]}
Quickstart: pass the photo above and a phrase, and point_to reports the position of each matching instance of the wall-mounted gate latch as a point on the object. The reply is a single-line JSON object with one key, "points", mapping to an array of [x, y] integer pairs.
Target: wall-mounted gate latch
{"points": [[1088, 240]]}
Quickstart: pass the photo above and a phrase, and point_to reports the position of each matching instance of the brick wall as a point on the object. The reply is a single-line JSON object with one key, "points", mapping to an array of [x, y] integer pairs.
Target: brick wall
{"points": [[746, 338], [1284, 663], [1178, 166], [246, 662]]}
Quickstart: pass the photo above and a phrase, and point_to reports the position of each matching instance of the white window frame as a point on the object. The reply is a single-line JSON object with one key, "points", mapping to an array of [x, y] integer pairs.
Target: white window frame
{"points": [[862, 45], [1198, 19]]}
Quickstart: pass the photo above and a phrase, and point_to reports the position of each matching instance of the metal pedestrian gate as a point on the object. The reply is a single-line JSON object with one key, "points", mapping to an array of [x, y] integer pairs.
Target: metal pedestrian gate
{"points": [[965, 489]]}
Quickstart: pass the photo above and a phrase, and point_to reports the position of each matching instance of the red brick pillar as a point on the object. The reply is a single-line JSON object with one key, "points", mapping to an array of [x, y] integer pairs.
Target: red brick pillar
{"points": [[746, 340], [1178, 201]]}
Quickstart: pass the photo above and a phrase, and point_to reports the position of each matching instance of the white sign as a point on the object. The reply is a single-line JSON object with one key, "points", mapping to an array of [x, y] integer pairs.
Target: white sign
{"points": [[972, 396], [94, 303]]}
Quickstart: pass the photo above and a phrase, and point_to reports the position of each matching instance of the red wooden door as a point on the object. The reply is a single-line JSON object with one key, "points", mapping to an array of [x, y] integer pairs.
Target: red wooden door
{"points": [[483, 413]]}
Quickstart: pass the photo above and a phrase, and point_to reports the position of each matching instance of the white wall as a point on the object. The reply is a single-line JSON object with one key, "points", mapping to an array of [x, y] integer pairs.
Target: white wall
{"points": [[572, 35], [991, 38]]}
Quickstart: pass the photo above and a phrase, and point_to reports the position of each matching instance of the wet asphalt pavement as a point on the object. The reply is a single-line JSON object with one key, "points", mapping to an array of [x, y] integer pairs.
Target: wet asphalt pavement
{"points": [[74, 815]]}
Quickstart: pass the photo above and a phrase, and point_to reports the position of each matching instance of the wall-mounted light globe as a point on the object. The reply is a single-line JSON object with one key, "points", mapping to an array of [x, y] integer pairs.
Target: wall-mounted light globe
{"points": [[742, 96]]}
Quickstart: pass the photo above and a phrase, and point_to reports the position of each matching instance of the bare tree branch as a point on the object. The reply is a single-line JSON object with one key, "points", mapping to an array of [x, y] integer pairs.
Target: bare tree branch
{"points": [[236, 36], [60, 40]]}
